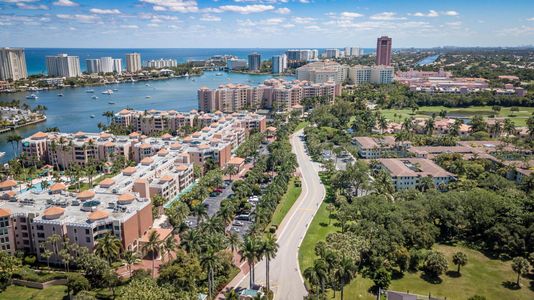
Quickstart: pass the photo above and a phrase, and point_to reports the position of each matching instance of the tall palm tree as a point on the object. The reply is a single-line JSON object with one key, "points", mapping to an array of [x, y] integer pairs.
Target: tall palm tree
{"points": [[210, 262], [14, 139], [230, 170], [231, 295], [345, 272], [153, 246], [191, 241], [201, 212], [249, 251], [234, 242], [108, 247], [226, 213], [269, 248], [130, 258], [168, 247]]}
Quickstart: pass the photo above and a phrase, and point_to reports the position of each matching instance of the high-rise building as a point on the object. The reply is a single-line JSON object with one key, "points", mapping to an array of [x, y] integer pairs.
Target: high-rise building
{"points": [[254, 61], [12, 64], [277, 63], [107, 64], [161, 63], [63, 65], [93, 65], [117, 65], [133, 62], [331, 53], [353, 51], [383, 51], [236, 64]]}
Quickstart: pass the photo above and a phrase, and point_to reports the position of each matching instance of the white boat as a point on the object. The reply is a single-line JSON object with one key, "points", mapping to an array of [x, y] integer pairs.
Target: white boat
{"points": [[193, 79], [32, 96], [111, 102], [92, 116], [146, 84], [186, 75], [115, 90], [2, 154], [90, 91], [94, 97], [219, 74], [148, 97], [60, 95], [107, 92]]}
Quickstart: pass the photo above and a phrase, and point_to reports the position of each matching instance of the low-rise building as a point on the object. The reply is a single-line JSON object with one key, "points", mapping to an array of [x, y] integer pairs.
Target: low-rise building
{"points": [[406, 173], [372, 148]]}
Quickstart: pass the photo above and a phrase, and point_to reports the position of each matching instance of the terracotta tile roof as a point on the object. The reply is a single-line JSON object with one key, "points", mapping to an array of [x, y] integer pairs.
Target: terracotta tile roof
{"points": [[53, 212], [8, 184], [129, 170], [98, 215], [60, 186], [39, 135], [107, 182], [4, 212], [86, 194], [164, 233], [147, 161], [236, 160], [126, 198]]}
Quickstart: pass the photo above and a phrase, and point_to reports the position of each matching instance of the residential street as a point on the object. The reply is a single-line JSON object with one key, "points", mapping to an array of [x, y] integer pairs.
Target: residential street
{"points": [[285, 276]]}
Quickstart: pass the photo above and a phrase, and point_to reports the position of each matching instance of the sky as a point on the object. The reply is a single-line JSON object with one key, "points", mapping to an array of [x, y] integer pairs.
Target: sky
{"points": [[264, 23]]}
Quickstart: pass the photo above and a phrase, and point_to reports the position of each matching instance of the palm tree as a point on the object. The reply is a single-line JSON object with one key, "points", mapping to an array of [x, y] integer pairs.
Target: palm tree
{"points": [[317, 274], [109, 115], [345, 272], [226, 213], [14, 139], [153, 246], [168, 247], [191, 241], [230, 170], [210, 261], [44, 184], [234, 242], [46, 254], [53, 241], [201, 212], [130, 258], [269, 248], [231, 295], [108, 247], [249, 251]]}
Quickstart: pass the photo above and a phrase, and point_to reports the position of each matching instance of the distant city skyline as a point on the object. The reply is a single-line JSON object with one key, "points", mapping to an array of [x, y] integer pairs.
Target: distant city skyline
{"points": [[263, 23]]}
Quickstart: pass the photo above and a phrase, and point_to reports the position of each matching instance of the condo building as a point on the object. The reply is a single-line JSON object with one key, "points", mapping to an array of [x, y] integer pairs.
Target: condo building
{"points": [[12, 64], [104, 65], [332, 71], [254, 61], [331, 53], [406, 173], [63, 65], [273, 93], [133, 62], [117, 65], [236, 64], [93, 65], [383, 51], [119, 205], [353, 52], [161, 63], [279, 64]]}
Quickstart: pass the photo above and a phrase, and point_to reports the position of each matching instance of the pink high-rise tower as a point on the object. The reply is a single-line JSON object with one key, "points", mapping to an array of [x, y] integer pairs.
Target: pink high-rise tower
{"points": [[383, 51]]}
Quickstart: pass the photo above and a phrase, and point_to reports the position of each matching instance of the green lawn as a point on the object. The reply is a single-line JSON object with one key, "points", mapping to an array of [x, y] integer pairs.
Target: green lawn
{"points": [[301, 125], [291, 195], [425, 111], [21, 293], [482, 275]]}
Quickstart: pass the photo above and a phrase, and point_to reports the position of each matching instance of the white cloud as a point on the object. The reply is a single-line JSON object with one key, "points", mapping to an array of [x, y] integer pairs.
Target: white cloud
{"points": [[79, 18], [451, 13], [283, 10], [19, 1], [348, 14], [23, 5], [431, 13], [183, 6], [65, 3], [153, 25], [530, 19], [386, 16], [288, 25], [210, 18], [129, 26], [304, 1], [265, 22], [247, 9], [303, 20], [105, 11], [454, 24]]}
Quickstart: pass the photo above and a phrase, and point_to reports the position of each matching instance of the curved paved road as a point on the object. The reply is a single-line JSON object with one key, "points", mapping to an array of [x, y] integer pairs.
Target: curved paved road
{"points": [[285, 275]]}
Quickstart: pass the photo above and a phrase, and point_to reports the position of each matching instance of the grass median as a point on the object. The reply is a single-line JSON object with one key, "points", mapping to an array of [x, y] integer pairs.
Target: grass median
{"points": [[291, 195]]}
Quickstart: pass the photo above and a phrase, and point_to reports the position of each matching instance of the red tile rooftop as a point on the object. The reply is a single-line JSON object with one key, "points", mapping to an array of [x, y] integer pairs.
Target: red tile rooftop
{"points": [[58, 187], [53, 212], [8, 184], [98, 215], [147, 161], [129, 170], [85, 195], [39, 135], [126, 198], [4, 212]]}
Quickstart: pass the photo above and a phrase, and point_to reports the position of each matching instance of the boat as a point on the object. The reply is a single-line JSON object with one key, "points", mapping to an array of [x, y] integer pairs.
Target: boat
{"points": [[219, 74], [107, 92], [2, 154], [146, 84], [115, 90], [94, 97], [60, 95], [92, 116], [111, 102], [148, 97], [90, 91], [186, 75], [193, 79], [32, 96]]}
